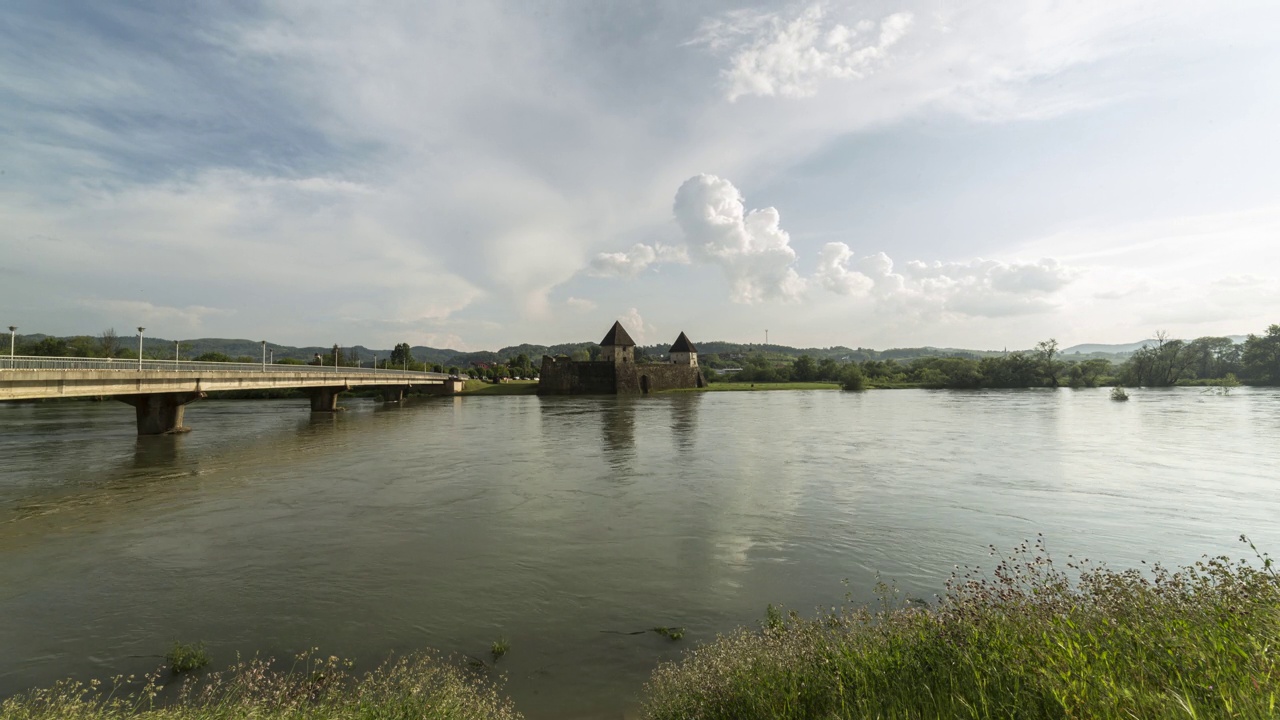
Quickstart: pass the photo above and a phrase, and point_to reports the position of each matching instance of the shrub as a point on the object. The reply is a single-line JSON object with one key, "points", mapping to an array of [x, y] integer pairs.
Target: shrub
{"points": [[851, 378], [185, 658]]}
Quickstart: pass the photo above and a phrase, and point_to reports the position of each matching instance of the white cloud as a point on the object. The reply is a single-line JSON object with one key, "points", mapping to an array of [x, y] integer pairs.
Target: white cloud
{"points": [[580, 304], [789, 57], [637, 328], [835, 274], [752, 249], [637, 259], [131, 312]]}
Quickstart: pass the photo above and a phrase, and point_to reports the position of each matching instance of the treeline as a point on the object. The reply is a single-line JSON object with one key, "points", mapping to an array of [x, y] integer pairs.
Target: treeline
{"points": [[1162, 363]]}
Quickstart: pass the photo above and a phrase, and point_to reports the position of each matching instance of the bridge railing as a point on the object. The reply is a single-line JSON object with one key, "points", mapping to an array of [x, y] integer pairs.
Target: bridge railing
{"points": [[30, 362]]}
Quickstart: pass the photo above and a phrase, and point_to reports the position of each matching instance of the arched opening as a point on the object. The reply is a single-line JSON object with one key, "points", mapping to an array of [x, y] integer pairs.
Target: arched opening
{"points": [[644, 384]]}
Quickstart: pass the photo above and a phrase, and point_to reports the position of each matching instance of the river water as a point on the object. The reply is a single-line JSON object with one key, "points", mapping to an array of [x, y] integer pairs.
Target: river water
{"points": [[449, 523]]}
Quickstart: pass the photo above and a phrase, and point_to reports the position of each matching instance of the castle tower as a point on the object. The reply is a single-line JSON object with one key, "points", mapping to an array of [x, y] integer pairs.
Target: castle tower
{"points": [[683, 352], [617, 346]]}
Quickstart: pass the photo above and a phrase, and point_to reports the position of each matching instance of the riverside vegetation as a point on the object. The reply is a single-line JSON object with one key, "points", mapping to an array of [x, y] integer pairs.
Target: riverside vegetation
{"points": [[1028, 640]]}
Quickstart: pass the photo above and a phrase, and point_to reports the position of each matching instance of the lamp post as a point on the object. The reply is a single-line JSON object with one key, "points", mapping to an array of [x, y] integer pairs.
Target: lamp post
{"points": [[140, 330], [271, 356], [175, 352], [12, 330], [264, 356], [375, 363]]}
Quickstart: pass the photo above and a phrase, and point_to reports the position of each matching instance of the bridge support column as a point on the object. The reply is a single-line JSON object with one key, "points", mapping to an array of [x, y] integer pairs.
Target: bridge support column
{"points": [[325, 399], [160, 413], [395, 393], [448, 387]]}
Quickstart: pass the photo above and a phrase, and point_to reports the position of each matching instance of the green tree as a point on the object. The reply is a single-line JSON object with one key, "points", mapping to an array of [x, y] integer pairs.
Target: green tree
{"points": [[1159, 365], [804, 369], [828, 369], [214, 357], [108, 343], [1261, 357], [1046, 351], [401, 356]]}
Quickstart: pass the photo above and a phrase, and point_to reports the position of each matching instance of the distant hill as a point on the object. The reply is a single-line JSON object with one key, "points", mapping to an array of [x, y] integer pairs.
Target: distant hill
{"points": [[1124, 348], [725, 352]]}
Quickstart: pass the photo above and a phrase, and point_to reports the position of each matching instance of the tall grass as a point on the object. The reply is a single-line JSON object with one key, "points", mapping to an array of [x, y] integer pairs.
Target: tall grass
{"points": [[1027, 641], [419, 687]]}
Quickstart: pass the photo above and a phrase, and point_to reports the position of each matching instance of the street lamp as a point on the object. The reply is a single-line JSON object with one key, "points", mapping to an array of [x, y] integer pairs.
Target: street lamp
{"points": [[175, 352], [12, 330], [271, 356], [264, 356], [140, 329]]}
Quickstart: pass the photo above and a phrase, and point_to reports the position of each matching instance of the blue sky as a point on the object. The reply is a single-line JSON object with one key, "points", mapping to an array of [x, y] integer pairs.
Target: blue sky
{"points": [[479, 174]]}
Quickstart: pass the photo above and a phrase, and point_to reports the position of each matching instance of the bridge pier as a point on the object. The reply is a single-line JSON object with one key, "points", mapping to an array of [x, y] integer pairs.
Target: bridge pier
{"points": [[394, 394], [160, 413], [325, 399]]}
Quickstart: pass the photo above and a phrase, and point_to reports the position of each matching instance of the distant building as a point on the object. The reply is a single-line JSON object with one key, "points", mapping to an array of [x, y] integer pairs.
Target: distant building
{"points": [[616, 372]]}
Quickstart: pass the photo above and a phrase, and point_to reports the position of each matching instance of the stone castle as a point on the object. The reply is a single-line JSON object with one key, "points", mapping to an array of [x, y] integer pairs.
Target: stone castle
{"points": [[616, 372]]}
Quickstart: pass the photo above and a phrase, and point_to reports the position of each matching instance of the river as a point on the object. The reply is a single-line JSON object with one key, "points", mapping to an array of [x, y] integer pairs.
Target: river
{"points": [[449, 523]]}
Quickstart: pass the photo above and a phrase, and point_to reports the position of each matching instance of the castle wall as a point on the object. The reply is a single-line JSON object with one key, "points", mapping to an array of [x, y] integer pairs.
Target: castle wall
{"points": [[633, 379], [562, 376]]}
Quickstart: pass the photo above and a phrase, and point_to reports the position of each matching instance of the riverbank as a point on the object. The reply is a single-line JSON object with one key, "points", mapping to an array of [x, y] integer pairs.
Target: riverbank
{"points": [[1022, 642], [1025, 641]]}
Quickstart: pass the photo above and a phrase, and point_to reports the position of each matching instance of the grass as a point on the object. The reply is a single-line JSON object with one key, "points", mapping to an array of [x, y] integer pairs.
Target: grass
{"points": [[1027, 641], [742, 386], [185, 658], [419, 686], [515, 387], [499, 648]]}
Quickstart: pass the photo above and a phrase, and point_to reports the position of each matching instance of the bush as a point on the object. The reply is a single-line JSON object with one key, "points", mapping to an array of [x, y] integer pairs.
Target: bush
{"points": [[851, 378], [185, 658]]}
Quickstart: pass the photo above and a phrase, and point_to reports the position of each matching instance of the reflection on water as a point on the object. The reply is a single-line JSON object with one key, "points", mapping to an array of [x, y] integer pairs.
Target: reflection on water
{"points": [[450, 522], [618, 433]]}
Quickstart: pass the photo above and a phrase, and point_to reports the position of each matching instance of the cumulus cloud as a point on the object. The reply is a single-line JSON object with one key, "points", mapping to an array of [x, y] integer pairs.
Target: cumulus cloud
{"points": [[637, 259], [984, 288], [751, 248], [637, 328], [756, 257], [789, 57], [836, 274]]}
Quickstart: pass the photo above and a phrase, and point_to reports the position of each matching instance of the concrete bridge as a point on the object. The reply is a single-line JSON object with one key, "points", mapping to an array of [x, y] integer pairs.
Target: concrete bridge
{"points": [[159, 390]]}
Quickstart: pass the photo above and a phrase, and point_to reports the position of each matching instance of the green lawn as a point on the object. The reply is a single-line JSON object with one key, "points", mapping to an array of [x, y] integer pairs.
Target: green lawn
{"points": [[515, 387], [729, 386]]}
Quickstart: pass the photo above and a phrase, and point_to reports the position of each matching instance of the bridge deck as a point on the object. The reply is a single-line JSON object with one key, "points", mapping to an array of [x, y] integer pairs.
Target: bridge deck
{"points": [[37, 378]]}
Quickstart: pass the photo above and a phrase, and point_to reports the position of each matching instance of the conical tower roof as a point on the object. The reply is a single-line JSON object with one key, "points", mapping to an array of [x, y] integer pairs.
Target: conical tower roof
{"points": [[617, 336], [682, 344]]}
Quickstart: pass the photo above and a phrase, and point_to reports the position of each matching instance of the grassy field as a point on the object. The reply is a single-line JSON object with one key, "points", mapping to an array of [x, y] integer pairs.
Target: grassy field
{"points": [[737, 386], [516, 387], [1027, 642]]}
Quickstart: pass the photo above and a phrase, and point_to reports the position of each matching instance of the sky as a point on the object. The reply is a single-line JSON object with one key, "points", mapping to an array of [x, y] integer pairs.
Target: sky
{"points": [[481, 174]]}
